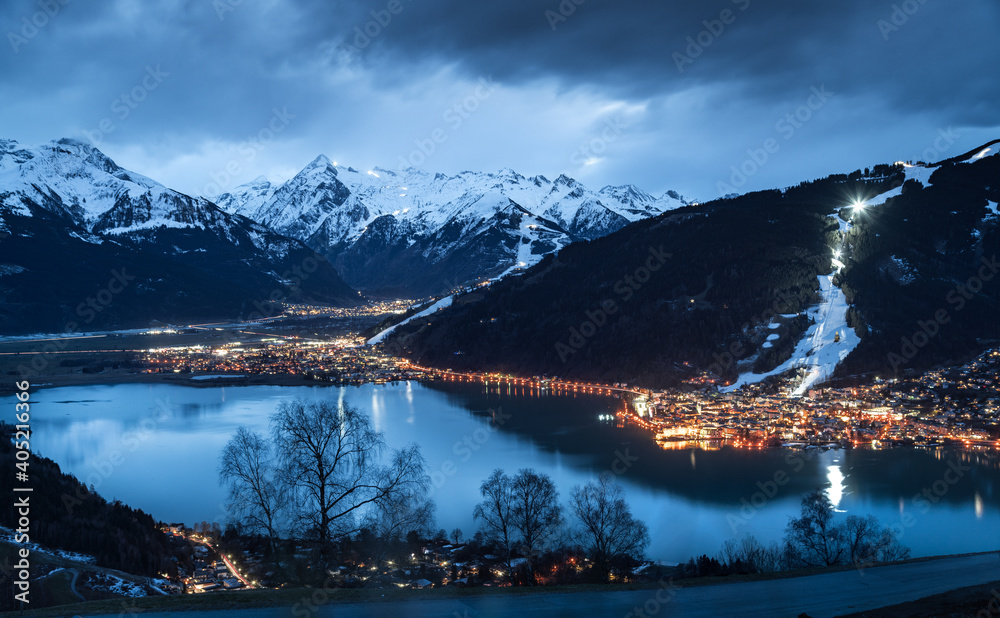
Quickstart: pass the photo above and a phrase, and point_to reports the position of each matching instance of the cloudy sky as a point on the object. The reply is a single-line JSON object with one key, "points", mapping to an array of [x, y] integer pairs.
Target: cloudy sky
{"points": [[698, 96]]}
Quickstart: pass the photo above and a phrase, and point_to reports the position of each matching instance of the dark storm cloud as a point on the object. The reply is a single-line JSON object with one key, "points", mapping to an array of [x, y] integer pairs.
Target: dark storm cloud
{"points": [[918, 55], [177, 89]]}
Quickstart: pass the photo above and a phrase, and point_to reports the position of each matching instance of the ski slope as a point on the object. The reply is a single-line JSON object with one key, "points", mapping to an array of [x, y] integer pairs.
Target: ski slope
{"points": [[817, 352], [441, 304]]}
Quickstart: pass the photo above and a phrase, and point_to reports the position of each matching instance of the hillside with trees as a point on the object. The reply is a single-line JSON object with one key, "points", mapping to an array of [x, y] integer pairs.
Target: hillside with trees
{"points": [[697, 289]]}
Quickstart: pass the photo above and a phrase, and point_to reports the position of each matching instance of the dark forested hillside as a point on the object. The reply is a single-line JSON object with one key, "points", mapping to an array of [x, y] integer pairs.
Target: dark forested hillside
{"points": [[661, 298], [66, 515], [924, 277]]}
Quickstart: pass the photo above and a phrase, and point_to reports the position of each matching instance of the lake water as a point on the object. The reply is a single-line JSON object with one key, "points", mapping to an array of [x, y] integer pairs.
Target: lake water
{"points": [[156, 447]]}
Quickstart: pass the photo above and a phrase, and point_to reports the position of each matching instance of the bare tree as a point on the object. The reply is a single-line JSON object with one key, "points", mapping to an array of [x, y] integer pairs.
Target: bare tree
{"points": [[816, 540], [495, 513], [536, 513], [405, 509], [607, 529], [256, 497], [751, 556], [868, 541], [331, 458]]}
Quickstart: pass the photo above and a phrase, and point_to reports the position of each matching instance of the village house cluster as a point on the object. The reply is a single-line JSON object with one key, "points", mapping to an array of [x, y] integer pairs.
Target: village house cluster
{"points": [[341, 361], [958, 405]]}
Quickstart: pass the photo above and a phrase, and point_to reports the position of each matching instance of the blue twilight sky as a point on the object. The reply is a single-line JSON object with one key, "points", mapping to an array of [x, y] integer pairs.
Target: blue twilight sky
{"points": [[682, 95]]}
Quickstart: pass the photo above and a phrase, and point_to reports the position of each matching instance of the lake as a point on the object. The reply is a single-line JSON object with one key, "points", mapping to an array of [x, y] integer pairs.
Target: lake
{"points": [[156, 447]]}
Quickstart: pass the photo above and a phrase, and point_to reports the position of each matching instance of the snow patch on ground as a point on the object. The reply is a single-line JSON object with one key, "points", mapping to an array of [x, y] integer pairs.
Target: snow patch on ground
{"points": [[992, 208], [817, 352], [882, 198], [8, 535], [115, 585], [441, 304], [152, 224], [903, 272], [11, 269], [979, 155], [920, 173]]}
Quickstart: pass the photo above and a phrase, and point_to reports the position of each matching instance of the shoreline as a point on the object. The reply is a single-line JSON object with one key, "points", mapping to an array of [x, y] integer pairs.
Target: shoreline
{"points": [[116, 377], [111, 378]]}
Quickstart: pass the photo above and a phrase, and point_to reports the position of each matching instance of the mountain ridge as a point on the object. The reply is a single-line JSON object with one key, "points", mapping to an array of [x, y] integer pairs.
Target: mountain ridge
{"points": [[750, 284], [404, 230], [71, 216]]}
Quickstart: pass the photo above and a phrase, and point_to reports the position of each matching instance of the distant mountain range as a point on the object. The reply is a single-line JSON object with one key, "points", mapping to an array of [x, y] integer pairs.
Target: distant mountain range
{"points": [[86, 244], [876, 272], [413, 233]]}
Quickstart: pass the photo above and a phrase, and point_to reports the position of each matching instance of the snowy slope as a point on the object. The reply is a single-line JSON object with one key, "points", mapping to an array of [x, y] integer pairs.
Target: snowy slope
{"points": [[73, 216], [819, 351], [76, 182], [378, 222]]}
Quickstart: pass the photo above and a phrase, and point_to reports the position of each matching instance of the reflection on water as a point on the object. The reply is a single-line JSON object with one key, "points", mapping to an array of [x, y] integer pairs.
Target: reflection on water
{"points": [[156, 447], [835, 492]]}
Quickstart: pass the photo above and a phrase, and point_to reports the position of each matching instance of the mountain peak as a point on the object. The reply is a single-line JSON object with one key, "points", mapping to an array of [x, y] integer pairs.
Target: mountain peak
{"points": [[565, 180], [320, 162], [87, 152]]}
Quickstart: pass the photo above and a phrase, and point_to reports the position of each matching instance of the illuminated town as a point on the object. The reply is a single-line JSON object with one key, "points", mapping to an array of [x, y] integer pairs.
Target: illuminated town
{"points": [[956, 406]]}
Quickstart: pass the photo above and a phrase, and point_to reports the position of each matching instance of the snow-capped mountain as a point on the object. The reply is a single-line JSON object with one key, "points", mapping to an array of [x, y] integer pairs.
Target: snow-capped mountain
{"points": [[880, 272], [417, 232], [73, 215]]}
